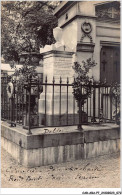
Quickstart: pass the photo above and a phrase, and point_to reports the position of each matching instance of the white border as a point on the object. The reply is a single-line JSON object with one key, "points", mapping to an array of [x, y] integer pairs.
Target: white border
{"points": [[58, 190]]}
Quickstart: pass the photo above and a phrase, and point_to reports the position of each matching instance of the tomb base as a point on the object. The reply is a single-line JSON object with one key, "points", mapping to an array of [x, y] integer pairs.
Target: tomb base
{"points": [[63, 120], [53, 147], [53, 112]]}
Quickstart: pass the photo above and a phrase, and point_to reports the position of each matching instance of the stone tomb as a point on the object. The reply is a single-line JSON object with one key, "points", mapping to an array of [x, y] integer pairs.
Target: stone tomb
{"points": [[57, 62]]}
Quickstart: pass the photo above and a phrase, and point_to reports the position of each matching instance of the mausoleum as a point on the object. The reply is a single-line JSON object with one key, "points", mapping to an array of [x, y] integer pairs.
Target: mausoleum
{"points": [[92, 29]]}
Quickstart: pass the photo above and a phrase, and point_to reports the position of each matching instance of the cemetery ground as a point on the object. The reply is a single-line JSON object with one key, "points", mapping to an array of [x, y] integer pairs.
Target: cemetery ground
{"points": [[99, 172]]}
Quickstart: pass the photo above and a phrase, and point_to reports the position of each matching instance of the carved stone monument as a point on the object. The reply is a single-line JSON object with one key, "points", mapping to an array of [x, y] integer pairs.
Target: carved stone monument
{"points": [[57, 62]]}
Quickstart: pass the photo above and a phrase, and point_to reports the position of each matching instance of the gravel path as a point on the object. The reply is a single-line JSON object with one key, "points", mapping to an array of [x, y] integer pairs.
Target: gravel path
{"points": [[100, 172]]}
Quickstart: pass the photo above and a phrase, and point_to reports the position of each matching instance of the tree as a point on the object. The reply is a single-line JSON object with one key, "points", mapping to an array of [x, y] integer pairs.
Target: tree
{"points": [[83, 78], [82, 84], [24, 24]]}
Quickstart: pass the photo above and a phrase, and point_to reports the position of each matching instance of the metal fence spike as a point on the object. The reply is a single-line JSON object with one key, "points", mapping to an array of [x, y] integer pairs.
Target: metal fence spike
{"points": [[53, 80], [67, 80], [60, 80], [46, 79]]}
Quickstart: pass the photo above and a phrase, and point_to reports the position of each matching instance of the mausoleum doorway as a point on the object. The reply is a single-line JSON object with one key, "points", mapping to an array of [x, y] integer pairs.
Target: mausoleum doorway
{"points": [[110, 64]]}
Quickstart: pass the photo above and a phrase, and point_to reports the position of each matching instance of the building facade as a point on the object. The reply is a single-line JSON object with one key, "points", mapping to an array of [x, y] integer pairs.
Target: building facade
{"points": [[92, 30]]}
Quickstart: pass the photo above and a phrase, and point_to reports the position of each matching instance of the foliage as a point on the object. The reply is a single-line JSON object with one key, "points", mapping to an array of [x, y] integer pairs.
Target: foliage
{"points": [[25, 73], [115, 94], [83, 80], [24, 24]]}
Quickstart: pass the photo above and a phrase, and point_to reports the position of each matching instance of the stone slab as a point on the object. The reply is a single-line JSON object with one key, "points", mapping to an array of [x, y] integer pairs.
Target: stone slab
{"points": [[41, 140], [56, 138], [101, 135], [101, 148], [43, 156], [41, 149]]}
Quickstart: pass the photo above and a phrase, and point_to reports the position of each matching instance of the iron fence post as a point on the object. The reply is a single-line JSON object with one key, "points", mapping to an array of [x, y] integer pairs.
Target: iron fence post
{"points": [[80, 116], [94, 101], [11, 112], [29, 91], [67, 98], [53, 103], [12, 108], [116, 107], [80, 112]]}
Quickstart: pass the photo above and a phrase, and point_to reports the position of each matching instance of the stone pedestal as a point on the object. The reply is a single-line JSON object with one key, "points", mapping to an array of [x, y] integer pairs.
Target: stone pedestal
{"points": [[58, 64], [57, 105]]}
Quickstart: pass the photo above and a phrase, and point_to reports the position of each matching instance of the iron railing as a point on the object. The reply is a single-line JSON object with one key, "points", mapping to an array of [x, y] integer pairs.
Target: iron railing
{"points": [[36, 104]]}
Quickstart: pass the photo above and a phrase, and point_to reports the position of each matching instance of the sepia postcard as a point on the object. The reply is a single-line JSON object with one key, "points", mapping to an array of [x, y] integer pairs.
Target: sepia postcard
{"points": [[60, 97]]}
